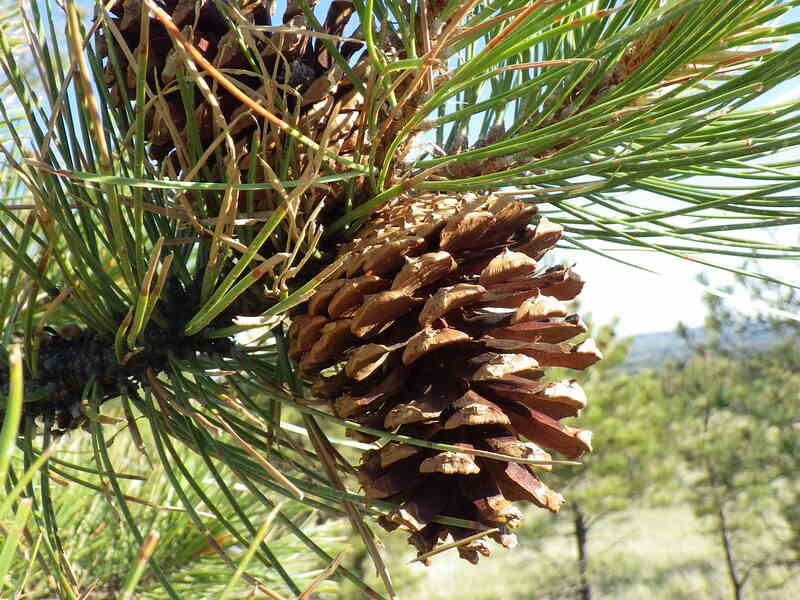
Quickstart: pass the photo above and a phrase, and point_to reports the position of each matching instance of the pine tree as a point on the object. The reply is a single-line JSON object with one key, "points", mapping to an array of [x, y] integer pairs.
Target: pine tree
{"points": [[227, 214], [735, 411], [628, 411]]}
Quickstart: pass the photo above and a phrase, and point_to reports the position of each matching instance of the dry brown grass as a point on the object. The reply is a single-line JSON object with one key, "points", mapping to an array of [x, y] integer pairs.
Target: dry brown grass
{"points": [[659, 554]]}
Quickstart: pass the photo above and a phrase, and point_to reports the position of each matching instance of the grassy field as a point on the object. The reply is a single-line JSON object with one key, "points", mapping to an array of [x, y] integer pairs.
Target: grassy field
{"points": [[663, 554]]}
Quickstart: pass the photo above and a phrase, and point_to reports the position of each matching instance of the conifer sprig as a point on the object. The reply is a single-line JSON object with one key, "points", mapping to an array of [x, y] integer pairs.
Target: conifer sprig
{"points": [[170, 182]]}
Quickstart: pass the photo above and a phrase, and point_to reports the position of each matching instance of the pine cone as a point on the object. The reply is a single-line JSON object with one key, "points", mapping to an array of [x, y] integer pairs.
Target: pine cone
{"points": [[307, 87], [439, 328], [299, 75]]}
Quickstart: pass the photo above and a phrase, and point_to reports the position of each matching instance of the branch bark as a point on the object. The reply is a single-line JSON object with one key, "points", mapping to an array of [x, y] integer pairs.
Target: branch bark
{"points": [[582, 541], [730, 558]]}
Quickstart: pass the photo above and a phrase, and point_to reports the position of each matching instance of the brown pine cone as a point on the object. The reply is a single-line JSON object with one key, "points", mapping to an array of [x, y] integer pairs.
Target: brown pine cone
{"points": [[439, 328]]}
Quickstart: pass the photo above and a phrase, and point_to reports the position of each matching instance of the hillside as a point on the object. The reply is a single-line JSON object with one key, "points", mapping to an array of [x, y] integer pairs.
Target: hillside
{"points": [[651, 350]]}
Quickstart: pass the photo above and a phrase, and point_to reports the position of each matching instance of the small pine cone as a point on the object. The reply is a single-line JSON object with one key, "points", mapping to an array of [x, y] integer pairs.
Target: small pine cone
{"points": [[298, 65], [440, 328], [306, 87]]}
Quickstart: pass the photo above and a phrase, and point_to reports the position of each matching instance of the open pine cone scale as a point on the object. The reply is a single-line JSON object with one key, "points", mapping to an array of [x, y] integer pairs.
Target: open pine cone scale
{"points": [[441, 329]]}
